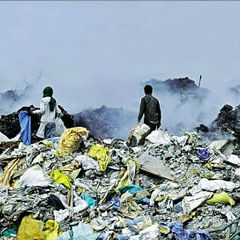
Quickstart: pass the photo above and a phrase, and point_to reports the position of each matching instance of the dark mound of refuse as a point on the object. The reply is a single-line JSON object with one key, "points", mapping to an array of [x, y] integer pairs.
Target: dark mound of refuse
{"points": [[174, 85], [228, 120], [106, 122], [9, 124], [225, 126], [185, 88]]}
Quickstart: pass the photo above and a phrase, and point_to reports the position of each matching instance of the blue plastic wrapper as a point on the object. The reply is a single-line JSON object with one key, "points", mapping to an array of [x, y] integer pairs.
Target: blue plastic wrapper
{"points": [[178, 207], [91, 201], [203, 154], [181, 234], [131, 189], [115, 202], [135, 221]]}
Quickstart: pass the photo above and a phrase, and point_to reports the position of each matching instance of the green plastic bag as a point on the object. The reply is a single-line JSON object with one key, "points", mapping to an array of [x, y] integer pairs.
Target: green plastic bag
{"points": [[222, 197]]}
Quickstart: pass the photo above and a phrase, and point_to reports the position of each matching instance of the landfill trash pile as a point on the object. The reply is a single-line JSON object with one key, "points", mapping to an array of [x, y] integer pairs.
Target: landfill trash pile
{"points": [[174, 85], [10, 127], [226, 125], [77, 187], [228, 120]]}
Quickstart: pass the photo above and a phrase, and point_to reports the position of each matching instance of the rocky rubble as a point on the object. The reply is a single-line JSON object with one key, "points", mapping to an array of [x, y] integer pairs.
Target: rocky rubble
{"points": [[171, 187]]}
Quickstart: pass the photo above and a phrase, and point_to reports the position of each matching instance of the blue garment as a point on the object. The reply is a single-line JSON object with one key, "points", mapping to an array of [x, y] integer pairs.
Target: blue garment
{"points": [[178, 231], [25, 124]]}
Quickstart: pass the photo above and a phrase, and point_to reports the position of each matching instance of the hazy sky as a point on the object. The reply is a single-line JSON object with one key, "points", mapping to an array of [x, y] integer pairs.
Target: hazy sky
{"points": [[95, 52]]}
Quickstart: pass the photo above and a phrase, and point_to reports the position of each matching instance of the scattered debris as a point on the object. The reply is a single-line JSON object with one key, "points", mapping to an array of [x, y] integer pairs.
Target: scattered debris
{"points": [[80, 187]]}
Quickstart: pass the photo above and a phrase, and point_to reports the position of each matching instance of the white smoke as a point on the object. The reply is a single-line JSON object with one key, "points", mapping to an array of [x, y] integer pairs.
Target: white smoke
{"points": [[177, 115]]}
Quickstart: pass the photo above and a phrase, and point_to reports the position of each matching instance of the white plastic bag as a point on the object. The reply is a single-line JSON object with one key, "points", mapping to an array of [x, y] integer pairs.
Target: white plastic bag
{"points": [[33, 177], [159, 137], [82, 231], [60, 128], [3, 138]]}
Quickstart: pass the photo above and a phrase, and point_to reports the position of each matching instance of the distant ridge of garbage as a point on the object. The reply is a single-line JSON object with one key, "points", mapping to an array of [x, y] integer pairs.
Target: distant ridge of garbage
{"points": [[106, 122]]}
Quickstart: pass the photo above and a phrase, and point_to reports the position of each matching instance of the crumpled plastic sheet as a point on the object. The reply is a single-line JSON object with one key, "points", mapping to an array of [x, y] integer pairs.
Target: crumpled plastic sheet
{"points": [[149, 233], [133, 167], [70, 140], [131, 189], [3, 138], [138, 134], [234, 159], [102, 154], [87, 162], [80, 232], [129, 208], [60, 215], [115, 202], [158, 194], [192, 138], [33, 177], [159, 137], [181, 234], [222, 197], [61, 178], [91, 201], [190, 203], [216, 185], [30, 229], [51, 230], [9, 171]]}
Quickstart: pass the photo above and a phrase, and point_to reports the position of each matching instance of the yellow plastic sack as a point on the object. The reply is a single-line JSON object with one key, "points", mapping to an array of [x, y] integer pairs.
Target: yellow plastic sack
{"points": [[70, 140], [30, 229], [61, 178], [101, 153], [48, 143], [164, 229], [183, 218], [222, 197], [51, 232], [133, 167], [10, 170]]}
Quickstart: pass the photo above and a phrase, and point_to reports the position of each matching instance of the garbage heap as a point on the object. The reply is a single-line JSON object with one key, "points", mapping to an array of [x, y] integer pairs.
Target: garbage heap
{"points": [[228, 120], [75, 187]]}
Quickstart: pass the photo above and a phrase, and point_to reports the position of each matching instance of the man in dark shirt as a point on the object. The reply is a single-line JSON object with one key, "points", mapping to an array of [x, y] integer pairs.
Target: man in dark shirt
{"points": [[150, 107]]}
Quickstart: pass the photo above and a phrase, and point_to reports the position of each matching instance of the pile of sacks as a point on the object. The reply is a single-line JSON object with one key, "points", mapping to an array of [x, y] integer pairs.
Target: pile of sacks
{"points": [[76, 187]]}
